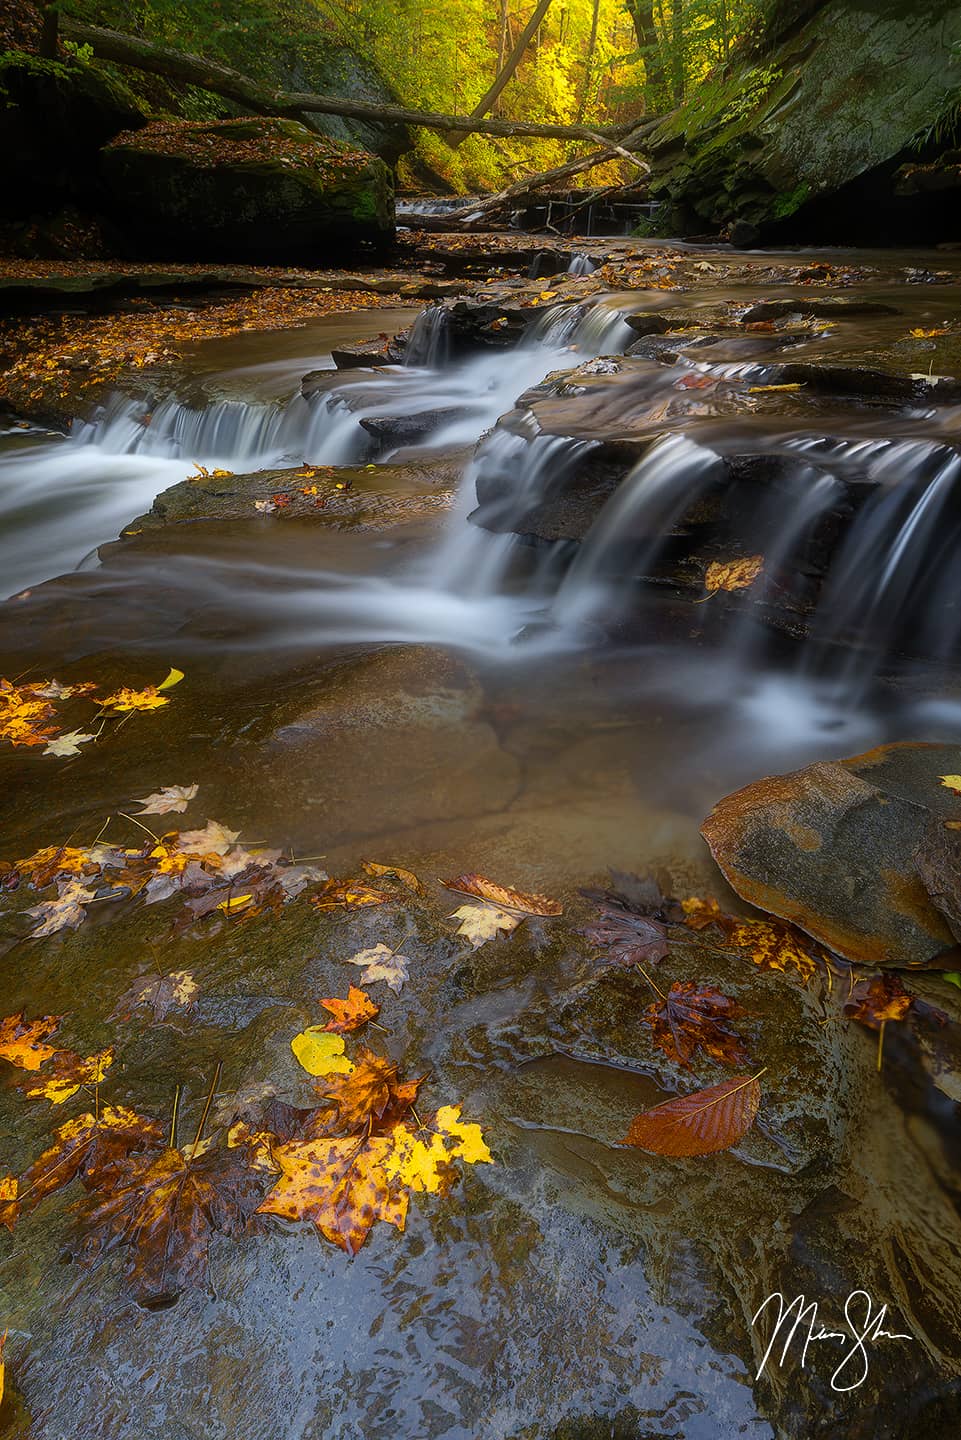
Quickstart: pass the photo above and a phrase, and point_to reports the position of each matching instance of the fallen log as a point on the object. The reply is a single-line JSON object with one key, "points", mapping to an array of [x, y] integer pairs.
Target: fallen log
{"points": [[187, 69]]}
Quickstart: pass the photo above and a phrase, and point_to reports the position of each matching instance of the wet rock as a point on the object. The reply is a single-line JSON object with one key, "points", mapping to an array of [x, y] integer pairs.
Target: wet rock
{"points": [[391, 431], [380, 350], [833, 848], [256, 189], [645, 323], [825, 308]]}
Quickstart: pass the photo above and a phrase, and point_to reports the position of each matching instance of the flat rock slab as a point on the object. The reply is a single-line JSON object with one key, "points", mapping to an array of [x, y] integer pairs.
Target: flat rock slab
{"points": [[834, 849]]}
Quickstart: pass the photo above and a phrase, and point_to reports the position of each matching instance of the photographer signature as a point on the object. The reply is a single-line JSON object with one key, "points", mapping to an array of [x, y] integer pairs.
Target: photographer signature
{"points": [[799, 1319]]}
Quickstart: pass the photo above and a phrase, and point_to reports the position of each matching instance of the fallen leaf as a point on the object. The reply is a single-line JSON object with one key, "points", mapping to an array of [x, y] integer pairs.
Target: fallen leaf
{"points": [[426, 1164], [773, 946], [698, 1124], [43, 866], [480, 923], [699, 914], [341, 1186], [370, 1093], [174, 677], [170, 798], [321, 1053], [66, 912], [881, 998], [406, 877], [126, 701], [626, 933], [68, 744], [351, 894], [695, 1017], [3, 1367], [352, 1013], [382, 963], [213, 839], [952, 782], [502, 895], [159, 993], [66, 1074], [22, 1041], [733, 574]]}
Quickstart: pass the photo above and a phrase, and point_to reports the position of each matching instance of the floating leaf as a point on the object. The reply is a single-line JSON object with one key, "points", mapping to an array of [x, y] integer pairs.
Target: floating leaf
{"points": [[627, 934], [341, 1186], [733, 574], [125, 701], [352, 1013], [372, 1092], [170, 798], [696, 1017], [406, 877], [66, 1074], [174, 677], [699, 914], [382, 963], [68, 744], [503, 896], [699, 1124], [321, 1053], [480, 923], [159, 993], [64, 913], [952, 782], [353, 895], [22, 1041]]}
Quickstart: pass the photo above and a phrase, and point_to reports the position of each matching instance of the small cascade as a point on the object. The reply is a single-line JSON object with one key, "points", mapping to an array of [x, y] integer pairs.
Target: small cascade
{"points": [[429, 343], [581, 265]]}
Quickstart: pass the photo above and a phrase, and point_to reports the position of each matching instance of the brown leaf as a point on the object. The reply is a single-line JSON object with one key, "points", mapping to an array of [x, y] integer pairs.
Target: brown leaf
{"points": [[775, 946], [629, 936], [881, 998], [698, 1124], [393, 872], [158, 993], [372, 1093], [699, 914], [339, 1185], [65, 1075], [503, 896], [352, 1013], [351, 894], [692, 1017]]}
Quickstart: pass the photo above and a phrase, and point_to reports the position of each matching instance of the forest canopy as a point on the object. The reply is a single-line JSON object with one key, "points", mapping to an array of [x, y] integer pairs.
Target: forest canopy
{"points": [[585, 62]]}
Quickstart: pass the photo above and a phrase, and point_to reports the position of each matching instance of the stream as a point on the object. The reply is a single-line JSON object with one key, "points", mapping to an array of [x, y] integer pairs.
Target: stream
{"points": [[483, 680]]}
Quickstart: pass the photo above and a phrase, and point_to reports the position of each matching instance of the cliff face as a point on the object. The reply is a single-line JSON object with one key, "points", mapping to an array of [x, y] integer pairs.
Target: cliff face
{"points": [[805, 139]]}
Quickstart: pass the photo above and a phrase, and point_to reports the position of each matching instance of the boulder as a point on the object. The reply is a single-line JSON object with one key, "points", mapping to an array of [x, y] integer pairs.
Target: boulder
{"points": [[852, 851], [264, 190]]}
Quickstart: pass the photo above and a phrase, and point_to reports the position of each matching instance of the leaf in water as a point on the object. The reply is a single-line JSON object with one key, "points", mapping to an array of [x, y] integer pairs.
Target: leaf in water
{"points": [[66, 1074], [53, 690], [503, 896], [9, 1208], [126, 701], [341, 1186], [423, 1159], [371, 1093], [699, 914], [627, 934], [174, 677], [163, 1209], [159, 993], [214, 839], [321, 1053], [696, 1017], [167, 800], [953, 977], [22, 1041], [352, 1013], [89, 1147], [3, 1368], [773, 946], [385, 872], [66, 912], [68, 744], [733, 574], [480, 923], [951, 782], [382, 963], [351, 894], [699, 1124], [875, 1001], [43, 866]]}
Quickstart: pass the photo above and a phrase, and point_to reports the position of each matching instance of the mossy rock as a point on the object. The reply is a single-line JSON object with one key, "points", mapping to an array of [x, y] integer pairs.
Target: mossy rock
{"points": [[268, 191]]}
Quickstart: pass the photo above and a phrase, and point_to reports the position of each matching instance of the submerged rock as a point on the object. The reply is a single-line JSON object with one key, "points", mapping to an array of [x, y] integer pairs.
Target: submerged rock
{"points": [[834, 849], [259, 189]]}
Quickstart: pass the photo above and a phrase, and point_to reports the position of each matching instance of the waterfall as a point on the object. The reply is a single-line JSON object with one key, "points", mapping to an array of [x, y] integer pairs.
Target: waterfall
{"points": [[581, 265]]}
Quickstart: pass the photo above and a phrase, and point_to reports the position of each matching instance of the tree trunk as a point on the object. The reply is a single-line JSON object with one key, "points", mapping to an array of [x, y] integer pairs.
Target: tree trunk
{"points": [[677, 47], [642, 16], [50, 33], [503, 79], [257, 99], [589, 63]]}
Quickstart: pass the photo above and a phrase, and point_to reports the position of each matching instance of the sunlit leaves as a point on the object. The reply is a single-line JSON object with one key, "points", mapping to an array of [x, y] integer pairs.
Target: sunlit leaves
{"points": [[698, 1124], [30, 713]]}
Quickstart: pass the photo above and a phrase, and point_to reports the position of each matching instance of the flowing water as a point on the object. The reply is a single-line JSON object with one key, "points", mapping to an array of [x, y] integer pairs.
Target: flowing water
{"points": [[449, 696]]}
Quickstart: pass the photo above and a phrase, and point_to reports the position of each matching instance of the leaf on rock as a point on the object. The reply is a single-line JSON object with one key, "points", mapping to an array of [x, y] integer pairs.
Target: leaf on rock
{"points": [[699, 914], [692, 1017], [320, 1053], [699, 1124], [163, 1208], [881, 998], [9, 1208], [423, 1159], [480, 923], [373, 1092], [774, 946], [174, 677], [213, 839], [43, 867], [64, 913], [951, 782], [22, 1041], [158, 993], [66, 1074], [393, 872], [352, 1013], [68, 744], [341, 1186], [626, 933], [382, 963], [170, 798], [733, 574], [502, 896], [125, 701], [352, 895]]}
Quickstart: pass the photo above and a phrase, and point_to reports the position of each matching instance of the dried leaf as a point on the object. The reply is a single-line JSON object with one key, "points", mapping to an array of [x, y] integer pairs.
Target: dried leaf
{"points": [[733, 574], [159, 993], [698, 1124], [213, 839], [881, 998], [43, 867], [372, 1092], [627, 934], [503, 896], [406, 877], [321, 1053], [352, 1013], [22, 1041], [68, 744], [480, 923], [774, 946], [699, 914], [696, 1017], [66, 912], [382, 963], [167, 800], [125, 701], [352, 895]]}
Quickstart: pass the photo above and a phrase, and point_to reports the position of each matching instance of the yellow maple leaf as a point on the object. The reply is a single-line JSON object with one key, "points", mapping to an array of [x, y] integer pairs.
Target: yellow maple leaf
{"points": [[733, 574], [125, 700], [320, 1052], [951, 782]]}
